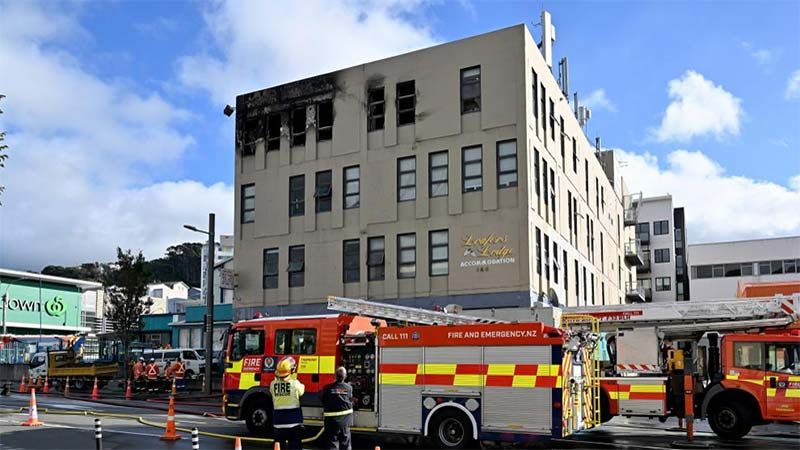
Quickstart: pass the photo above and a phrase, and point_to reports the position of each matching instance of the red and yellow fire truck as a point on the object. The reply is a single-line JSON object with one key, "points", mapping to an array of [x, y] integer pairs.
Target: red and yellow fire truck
{"points": [[451, 378], [743, 356]]}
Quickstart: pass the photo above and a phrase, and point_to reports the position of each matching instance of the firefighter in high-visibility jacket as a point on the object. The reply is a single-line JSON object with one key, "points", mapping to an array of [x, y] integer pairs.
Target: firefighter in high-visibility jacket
{"points": [[176, 370], [152, 372], [287, 416]]}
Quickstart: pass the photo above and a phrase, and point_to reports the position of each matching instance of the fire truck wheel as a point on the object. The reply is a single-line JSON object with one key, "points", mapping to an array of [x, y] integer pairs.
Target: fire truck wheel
{"points": [[257, 415], [729, 420], [451, 429]]}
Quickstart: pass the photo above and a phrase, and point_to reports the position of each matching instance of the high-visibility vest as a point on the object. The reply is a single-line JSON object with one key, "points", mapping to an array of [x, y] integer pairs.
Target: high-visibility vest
{"points": [[286, 395], [179, 371], [152, 371], [138, 370]]}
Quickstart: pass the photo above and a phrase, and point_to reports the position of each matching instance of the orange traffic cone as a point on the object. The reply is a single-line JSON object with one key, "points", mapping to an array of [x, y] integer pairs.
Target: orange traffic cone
{"points": [[173, 387], [276, 446], [238, 444], [169, 433], [66, 388], [33, 415], [95, 394], [46, 385], [23, 388], [128, 391]]}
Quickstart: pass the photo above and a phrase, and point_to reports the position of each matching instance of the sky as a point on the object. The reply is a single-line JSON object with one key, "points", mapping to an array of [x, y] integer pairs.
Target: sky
{"points": [[117, 138]]}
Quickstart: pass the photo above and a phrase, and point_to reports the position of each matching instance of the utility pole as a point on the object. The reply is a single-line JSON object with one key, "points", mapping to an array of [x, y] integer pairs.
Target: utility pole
{"points": [[210, 303]]}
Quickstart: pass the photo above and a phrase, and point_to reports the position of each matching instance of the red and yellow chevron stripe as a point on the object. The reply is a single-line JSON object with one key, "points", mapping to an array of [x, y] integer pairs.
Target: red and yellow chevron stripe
{"points": [[492, 375]]}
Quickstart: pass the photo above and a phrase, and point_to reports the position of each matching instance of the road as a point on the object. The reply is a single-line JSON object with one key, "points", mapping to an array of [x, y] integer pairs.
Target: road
{"points": [[67, 428]]}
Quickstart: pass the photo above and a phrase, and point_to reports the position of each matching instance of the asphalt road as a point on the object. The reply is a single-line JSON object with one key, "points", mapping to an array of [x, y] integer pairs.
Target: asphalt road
{"points": [[76, 431]]}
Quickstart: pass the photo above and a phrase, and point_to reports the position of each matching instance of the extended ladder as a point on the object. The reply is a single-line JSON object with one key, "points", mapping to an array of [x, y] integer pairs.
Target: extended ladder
{"points": [[402, 313]]}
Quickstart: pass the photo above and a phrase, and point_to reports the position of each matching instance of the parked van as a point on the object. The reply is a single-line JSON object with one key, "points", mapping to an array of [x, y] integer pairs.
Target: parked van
{"points": [[195, 365]]}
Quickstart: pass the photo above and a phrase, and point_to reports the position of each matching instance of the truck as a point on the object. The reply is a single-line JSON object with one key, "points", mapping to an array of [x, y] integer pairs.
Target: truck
{"points": [[60, 365], [447, 378], [742, 358]]}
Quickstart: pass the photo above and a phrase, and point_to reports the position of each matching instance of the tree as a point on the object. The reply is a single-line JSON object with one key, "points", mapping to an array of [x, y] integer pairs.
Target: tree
{"points": [[3, 148], [125, 288], [181, 263]]}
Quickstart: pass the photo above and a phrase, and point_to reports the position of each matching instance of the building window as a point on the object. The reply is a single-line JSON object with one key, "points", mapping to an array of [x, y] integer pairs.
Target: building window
{"points": [[297, 195], [643, 231], [732, 270], [376, 258], [602, 252], [790, 266], [351, 267], [325, 121], [543, 100], [299, 126], [470, 90], [506, 164], [438, 174], [763, 268], [376, 109], [406, 102], [679, 265], [270, 268], [297, 266], [602, 198], [352, 187], [563, 147], [566, 278], [553, 195], [544, 185], [777, 267], [661, 227], [546, 258], [406, 255], [536, 170], [552, 120], [472, 168], [592, 287], [538, 251], [585, 288], [274, 131], [661, 255], [406, 179], [602, 292], [586, 178], [323, 194], [248, 203], [439, 250], [555, 262], [663, 284], [577, 284], [747, 269], [535, 98], [575, 155], [597, 196]]}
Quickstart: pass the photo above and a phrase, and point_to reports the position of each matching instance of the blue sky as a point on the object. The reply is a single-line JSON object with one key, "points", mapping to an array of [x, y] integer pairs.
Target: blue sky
{"points": [[117, 136]]}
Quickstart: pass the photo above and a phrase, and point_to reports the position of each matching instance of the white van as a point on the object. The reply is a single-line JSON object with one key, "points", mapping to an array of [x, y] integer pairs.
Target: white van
{"points": [[164, 357]]}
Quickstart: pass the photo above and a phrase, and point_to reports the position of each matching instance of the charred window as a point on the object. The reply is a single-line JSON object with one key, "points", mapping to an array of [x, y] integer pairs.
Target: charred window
{"points": [[325, 121], [470, 90], [299, 126], [376, 109], [323, 193], [274, 131], [253, 131], [406, 102]]}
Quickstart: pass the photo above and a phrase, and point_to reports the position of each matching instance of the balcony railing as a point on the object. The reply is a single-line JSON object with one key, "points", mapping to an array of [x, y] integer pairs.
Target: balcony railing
{"points": [[634, 293], [631, 204], [633, 253], [645, 266]]}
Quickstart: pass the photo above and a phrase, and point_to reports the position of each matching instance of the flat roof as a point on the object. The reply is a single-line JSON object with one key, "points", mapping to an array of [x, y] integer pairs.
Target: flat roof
{"points": [[20, 275], [744, 240]]}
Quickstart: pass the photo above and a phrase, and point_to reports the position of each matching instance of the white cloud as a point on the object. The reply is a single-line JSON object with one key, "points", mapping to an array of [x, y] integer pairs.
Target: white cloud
{"points": [[718, 206], [793, 86], [764, 57], [699, 108], [597, 100], [257, 44], [84, 153]]}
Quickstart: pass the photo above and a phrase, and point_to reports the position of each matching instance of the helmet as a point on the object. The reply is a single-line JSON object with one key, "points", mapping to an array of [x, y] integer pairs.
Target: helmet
{"points": [[285, 367], [141, 358], [152, 360]]}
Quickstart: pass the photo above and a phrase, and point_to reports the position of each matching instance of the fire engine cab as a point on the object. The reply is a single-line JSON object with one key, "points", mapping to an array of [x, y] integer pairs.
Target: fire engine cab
{"points": [[451, 378]]}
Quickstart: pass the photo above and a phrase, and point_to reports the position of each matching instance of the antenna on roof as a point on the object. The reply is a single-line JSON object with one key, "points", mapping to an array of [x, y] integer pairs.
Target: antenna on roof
{"points": [[548, 37], [563, 77]]}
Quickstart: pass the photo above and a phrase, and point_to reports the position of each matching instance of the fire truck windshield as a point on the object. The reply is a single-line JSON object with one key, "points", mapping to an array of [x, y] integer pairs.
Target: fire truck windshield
{"points": [[784, 357]]}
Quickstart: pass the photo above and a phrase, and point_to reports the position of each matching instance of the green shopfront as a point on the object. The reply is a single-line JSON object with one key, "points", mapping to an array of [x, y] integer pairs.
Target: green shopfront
{"points": [[41, 304]]}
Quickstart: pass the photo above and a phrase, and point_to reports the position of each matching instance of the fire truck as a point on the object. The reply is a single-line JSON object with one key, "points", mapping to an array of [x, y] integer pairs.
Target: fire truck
{"points": [[743, 356], [450, 378]]}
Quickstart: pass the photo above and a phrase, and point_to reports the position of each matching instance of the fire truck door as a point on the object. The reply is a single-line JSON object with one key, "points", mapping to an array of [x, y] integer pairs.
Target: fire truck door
{"points": [[782, 380], [302, 345]]}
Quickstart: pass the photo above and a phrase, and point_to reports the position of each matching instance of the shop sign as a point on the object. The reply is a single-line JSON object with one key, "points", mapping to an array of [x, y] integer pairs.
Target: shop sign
{"points": [[486, 250], [53, 307]]}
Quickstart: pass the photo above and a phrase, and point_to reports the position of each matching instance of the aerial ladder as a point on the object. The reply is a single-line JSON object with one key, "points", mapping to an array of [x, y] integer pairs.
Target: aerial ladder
{"points": [[401, 313]]}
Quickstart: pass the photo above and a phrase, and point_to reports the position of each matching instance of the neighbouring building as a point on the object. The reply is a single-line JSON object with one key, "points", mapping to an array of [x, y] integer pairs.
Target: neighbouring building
{"points": [[661, 234], [157, 300], [188, 331], [745, 268], [33, 303], [456, 174], [223, 251]]}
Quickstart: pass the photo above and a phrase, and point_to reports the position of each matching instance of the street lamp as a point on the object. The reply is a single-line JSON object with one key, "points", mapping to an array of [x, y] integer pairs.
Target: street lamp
{"points": [[209, 298]]}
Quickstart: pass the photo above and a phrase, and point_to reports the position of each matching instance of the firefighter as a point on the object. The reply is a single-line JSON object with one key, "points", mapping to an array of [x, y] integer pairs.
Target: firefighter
{"points": [[177, 370], [152, 375], [287, 416], [138, 373], [337, 405]]}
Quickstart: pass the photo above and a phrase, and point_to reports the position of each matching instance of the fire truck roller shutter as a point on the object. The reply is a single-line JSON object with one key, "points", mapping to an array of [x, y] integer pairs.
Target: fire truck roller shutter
{"points": [[515, 408], [640, 396], [399, 393]]}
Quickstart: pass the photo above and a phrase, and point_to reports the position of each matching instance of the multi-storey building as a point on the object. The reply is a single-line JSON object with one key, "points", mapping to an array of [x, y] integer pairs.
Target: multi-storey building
{"points": [[456, 174], [661, 234], [721, 269]]}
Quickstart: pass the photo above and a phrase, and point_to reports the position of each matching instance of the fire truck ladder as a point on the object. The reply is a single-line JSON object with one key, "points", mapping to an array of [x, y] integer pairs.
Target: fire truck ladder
{"points": [[678, 318], [591, 370], [402, 313]]}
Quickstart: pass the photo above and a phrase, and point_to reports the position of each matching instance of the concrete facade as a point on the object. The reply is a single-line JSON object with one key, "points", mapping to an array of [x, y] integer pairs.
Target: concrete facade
{"points": [[718, 268], [493, 256], [661, 232]]}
